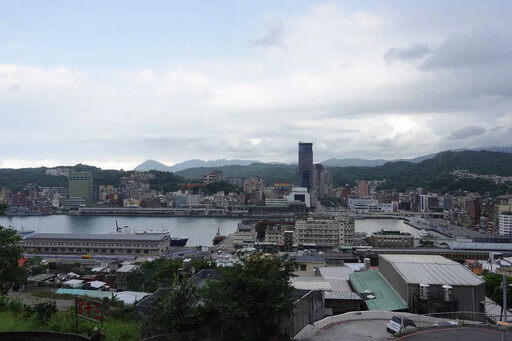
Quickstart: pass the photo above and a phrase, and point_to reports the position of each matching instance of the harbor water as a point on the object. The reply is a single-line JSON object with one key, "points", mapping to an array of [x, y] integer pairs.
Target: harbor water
{"points": [[200, 231]]}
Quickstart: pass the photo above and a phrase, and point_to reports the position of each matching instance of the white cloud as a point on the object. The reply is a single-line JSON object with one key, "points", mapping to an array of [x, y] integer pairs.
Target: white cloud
{"points": [[356, 83]]}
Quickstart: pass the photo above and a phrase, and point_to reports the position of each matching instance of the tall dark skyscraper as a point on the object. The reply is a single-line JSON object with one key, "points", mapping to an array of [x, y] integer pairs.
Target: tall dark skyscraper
{"points": [[306, 165]]}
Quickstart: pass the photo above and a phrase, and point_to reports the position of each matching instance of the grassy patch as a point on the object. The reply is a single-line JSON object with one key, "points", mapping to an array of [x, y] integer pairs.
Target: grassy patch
{"points": [[52, 295]]}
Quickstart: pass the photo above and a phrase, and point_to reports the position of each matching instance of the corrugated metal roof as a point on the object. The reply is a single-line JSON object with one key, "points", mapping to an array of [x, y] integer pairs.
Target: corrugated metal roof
{"points": [[310, 283], [341, 295], [126, 268], [385, 297], [355, 266], [103, 237], [339, 284], [338, 272], [41, 277], [481, 246], [431, 269]]}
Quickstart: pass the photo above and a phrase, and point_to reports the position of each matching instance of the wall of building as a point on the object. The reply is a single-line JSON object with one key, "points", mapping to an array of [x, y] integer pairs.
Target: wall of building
{"points": [[393, 278]]}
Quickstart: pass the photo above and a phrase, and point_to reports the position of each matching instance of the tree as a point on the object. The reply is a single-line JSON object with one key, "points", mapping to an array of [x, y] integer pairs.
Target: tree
{"points": [[10, 252], [252, 296], [36, 265], [493, 288], [176, 309], [152, 275], [3, 208]]}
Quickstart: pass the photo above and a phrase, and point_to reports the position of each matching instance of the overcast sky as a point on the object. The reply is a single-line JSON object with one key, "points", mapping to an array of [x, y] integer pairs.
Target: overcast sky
{"points": [[113, 83]]}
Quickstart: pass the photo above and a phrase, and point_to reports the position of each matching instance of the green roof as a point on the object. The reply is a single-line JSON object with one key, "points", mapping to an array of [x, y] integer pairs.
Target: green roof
{"points": [[385, 297]]}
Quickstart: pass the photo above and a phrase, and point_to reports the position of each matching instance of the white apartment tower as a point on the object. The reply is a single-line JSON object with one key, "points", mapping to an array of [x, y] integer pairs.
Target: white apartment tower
{"points": [[505, 223]]}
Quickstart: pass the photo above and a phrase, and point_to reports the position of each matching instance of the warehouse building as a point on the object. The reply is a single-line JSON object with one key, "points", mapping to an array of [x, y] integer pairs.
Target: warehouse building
{"points": [[98, 244], [433, 284]]}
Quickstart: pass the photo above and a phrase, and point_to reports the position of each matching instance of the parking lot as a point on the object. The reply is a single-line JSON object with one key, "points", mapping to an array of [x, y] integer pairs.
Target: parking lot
{"points": [[348, 331]]}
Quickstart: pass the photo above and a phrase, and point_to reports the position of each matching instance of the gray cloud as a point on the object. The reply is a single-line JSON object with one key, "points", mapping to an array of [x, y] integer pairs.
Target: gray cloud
{"points": [[274, 37], [479, 47], [406, 54], [466, 132]]}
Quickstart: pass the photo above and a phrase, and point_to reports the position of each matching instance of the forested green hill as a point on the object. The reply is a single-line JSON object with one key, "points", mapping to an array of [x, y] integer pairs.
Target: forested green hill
{"points": [[433, 174]]}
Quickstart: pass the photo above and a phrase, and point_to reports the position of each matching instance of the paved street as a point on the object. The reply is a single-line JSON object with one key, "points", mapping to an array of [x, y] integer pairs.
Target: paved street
{"points": [[459, 333], [348, 331]]}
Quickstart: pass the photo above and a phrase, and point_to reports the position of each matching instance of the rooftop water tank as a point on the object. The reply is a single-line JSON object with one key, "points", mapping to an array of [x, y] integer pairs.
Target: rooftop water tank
{"points": [[424, 292], [447, 293]]}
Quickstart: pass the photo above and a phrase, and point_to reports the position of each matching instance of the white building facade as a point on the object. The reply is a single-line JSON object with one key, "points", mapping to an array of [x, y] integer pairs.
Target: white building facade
{"points": [[505, 223], [335, 232]]}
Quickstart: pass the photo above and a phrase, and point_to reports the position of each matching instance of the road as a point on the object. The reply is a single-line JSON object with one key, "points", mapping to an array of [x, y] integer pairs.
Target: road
{"points": [[456, 333]]}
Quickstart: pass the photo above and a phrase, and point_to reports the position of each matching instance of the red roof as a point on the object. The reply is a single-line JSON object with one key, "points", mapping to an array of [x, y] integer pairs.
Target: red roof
{"points": [[22, 261]]}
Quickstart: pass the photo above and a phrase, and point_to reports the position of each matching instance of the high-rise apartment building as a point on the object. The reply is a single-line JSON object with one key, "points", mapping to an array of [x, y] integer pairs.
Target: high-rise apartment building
{"points": [[473, 209], [362, 189], [505, 223], [306, 165], [80, 186]]}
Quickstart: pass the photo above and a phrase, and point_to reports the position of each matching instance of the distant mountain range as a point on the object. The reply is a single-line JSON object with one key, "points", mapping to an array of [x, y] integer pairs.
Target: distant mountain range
{"points": [[347, 162], [194, 163]]}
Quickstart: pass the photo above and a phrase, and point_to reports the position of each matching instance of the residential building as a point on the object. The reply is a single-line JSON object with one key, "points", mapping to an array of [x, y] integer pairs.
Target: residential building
{"points": [[473, 209], [428, 203], [324, 231], [255, 184], [392, 238], [242, 238], [80, 186], [505, 223], [362, 189], [308, 262]]}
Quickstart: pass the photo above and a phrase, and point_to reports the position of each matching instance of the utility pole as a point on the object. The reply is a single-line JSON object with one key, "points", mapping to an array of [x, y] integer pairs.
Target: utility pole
{"points": [[504, 287]]}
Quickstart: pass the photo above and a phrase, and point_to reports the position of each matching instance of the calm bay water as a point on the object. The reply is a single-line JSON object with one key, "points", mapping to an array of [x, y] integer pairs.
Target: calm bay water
{"points": [[200, 231]]}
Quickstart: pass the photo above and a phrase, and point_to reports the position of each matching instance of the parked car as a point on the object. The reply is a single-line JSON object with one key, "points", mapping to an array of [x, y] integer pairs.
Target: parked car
{"points": [[398, 324], [447, 323]]}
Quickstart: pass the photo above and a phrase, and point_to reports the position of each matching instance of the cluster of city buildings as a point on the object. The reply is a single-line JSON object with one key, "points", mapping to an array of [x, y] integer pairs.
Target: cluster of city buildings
{"points": [[257, 197]]}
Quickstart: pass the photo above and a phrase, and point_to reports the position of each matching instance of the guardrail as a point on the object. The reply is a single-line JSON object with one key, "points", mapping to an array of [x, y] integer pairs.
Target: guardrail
{"points": [[421, 321]]}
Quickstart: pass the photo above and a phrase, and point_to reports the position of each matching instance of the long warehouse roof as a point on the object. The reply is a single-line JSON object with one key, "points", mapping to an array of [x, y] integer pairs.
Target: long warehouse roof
{"points": [[86, 236], [431, 269]]}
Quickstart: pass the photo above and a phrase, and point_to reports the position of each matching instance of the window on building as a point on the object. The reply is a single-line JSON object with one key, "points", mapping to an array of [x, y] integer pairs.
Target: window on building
{"points": [[303, 267]]}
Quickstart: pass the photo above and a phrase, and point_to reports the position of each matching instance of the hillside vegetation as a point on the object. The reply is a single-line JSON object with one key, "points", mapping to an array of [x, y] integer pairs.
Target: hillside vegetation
{"points": [[433, 174]]}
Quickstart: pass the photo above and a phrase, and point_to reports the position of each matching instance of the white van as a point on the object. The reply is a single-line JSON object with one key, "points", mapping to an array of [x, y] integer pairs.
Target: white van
{"points": [[397, 324]]}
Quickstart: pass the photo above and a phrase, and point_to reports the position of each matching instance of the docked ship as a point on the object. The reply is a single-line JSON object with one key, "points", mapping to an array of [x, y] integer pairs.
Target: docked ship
{"points": [[174, 241], [218, 237], [24, 232]]}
